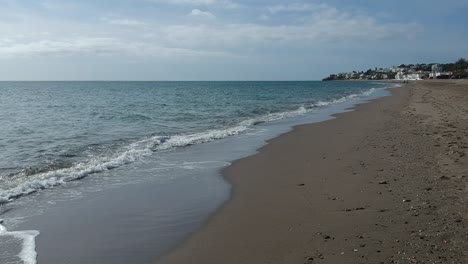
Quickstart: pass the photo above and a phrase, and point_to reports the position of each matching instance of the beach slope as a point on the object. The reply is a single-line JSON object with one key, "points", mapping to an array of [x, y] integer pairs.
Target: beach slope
{"points": [[385, 183]]}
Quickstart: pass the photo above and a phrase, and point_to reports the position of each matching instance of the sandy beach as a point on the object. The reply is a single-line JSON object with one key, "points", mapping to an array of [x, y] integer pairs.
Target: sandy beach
{"points": [[385, 183]]}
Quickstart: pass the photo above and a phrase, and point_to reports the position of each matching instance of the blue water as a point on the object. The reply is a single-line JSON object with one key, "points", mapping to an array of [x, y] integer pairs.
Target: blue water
{"points": [[56, 133]]}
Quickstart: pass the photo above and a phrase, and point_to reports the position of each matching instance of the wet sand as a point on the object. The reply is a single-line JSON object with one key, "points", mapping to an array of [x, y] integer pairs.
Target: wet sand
{"points": [[386, 183]]}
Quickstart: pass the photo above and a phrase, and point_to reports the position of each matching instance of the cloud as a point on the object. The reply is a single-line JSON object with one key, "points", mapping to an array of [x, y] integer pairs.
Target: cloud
{"points": [[94, 46], [244, 36], [318, 25], [263, 17], [197, 13], [191, 2], [221, 3], [122, 22], [47, 47], [297, 7]]}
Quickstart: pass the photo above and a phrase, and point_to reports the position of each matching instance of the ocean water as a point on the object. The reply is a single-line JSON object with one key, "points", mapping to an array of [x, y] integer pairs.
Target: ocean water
{"points": [[63, 142]]}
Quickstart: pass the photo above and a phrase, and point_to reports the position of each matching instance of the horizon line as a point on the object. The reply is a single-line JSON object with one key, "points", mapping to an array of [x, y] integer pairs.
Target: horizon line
{"points": [[159, 80]]}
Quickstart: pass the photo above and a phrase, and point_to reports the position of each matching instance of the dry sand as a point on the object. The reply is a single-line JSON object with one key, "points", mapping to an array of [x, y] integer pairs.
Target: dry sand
{"points": [[383, 184]]}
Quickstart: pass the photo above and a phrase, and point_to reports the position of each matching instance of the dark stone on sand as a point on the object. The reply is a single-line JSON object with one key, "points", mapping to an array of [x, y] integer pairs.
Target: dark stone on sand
{"points": [[383, 182], [301, 184], [354, 209]]}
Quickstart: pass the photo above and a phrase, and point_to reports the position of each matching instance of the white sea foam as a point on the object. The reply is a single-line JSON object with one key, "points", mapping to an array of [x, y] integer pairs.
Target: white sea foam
{"points": [[28, 251], [345, 98], [137, 150]]}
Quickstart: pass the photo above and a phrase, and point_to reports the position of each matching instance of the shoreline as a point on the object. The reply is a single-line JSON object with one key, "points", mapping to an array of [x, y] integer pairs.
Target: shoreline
{"points": [[344, 201], [180, 197]]}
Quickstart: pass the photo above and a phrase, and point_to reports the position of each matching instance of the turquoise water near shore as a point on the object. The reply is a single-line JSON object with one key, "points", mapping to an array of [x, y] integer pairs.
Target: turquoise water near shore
{"points": [[67, 143]]}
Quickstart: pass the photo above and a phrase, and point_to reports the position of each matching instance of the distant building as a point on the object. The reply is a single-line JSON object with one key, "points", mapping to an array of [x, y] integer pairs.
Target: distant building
{"points": [[436, 71], [439, 75], [411, 76], [400, 75], [436, 68]]}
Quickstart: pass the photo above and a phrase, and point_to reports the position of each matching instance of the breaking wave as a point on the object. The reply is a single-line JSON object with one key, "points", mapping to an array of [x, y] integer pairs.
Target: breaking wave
{"points": [[22, 185]]}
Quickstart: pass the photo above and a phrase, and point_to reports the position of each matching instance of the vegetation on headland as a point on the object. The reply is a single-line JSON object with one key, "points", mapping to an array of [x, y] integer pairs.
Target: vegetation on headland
{"points": [[456, 70]]}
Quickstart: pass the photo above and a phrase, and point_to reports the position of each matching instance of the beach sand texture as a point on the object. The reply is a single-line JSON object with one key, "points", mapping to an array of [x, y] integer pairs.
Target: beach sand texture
{"points": [[383, 184]]}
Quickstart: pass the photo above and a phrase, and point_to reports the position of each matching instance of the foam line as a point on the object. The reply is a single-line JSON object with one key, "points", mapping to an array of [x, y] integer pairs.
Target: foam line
{"points": [[28, 251], [145, 147]]}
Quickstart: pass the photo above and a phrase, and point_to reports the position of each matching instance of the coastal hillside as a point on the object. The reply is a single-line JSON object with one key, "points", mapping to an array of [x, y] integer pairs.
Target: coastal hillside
{"points": [[456, 70]]}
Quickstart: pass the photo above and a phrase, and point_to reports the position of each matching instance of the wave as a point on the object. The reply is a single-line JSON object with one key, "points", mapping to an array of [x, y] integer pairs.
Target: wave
{"points": [[28, 184], [346, 98], [28, 250]]}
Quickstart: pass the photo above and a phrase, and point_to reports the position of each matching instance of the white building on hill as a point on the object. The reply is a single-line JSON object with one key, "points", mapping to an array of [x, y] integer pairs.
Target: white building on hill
{"points": [[411, 76]]}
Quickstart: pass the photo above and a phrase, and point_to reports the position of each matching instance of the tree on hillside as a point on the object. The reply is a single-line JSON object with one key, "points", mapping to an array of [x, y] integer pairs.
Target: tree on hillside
{"points": [[461, 64]]}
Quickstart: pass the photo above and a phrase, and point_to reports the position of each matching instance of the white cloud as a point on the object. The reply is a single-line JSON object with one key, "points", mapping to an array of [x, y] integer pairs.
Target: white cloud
{"points": [[243, 36], [263, 17], [46, 47], [221, 3], [319, 24], [95, 46], [122, 22], [197, 13], [297, 7], [191, 2]]}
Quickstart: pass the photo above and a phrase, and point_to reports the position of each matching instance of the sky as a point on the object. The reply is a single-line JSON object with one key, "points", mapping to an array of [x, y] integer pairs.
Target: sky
{"points": [[223, 39]]}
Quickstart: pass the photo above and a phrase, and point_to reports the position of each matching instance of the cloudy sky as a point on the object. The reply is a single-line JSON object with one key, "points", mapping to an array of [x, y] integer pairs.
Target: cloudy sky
{"points": [[223, 39]]}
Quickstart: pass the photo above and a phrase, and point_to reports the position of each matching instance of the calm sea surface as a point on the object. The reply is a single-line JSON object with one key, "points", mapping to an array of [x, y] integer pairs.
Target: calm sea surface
{"points": [[60, 141]]}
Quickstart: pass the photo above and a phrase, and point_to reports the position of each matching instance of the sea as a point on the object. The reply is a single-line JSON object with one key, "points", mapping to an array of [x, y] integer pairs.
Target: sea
{"points": [[122, 172]]}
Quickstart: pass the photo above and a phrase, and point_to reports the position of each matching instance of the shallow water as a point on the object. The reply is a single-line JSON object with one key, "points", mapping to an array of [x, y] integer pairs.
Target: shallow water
{"points": [[123, 171]]}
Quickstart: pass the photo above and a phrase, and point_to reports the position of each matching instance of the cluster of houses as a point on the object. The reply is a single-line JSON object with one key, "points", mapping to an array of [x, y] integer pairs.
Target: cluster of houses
{"points": [[435, 73], [402, 72]]}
